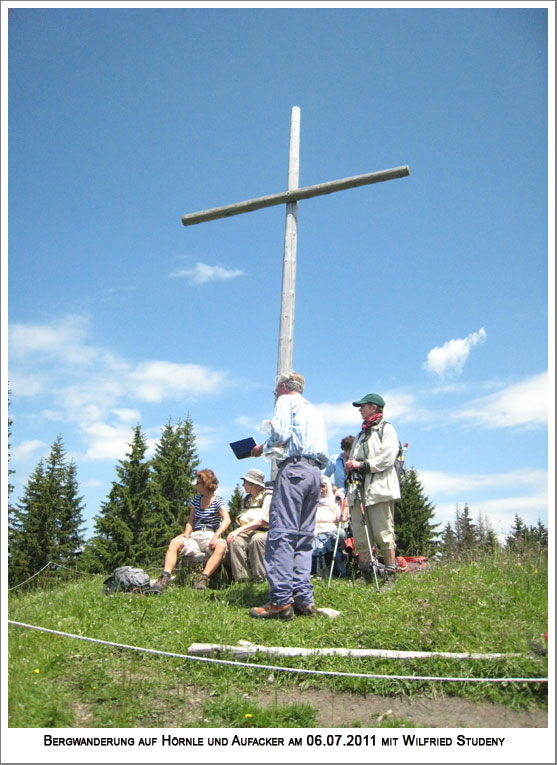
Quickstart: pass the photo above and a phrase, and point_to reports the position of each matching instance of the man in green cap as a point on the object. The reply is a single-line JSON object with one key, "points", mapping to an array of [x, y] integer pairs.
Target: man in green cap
{"points": [[373, 484]]}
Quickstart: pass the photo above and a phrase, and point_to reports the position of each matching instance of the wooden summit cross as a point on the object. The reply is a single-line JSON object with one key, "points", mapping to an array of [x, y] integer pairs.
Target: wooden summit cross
{"points": [[290, 198]]}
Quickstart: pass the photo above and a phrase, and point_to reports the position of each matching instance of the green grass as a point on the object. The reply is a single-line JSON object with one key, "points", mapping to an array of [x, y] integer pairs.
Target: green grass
{"points": [[497, 604]]}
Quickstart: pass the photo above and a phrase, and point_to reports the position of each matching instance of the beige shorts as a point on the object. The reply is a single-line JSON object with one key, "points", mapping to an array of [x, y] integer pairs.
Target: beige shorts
{"points": [[197, 544], [380, 522]]}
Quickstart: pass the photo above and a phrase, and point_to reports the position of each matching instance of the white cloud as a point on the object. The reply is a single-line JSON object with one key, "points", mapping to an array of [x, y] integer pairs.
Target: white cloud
{"points": [[127, 415], [156, 380], [461, 484], [250, 424], [27, 384], [107, 441], [523, 404], [477, 491], [399, 407], [340, 417], [203, 273], [101, 398], [54, 356], [26, 449], [93, 483], [64, 339], [499, 512], [206, 437], [449, 359]]}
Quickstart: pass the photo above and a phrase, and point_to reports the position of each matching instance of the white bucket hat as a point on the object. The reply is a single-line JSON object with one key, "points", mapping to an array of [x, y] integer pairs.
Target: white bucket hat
{"points": [[255, 476]]}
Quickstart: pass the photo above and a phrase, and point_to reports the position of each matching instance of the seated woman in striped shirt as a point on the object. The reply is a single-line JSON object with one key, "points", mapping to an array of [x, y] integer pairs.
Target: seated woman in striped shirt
{"points": [[208, 520]]}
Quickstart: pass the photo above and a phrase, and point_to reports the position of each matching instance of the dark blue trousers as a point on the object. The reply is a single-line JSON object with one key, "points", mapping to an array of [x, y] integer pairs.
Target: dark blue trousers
{"points": [[291, 526]]}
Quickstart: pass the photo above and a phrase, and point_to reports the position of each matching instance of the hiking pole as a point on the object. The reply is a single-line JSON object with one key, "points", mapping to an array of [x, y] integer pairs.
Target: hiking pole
{"points": [[336, 548], [357, 483], [371, 553]]}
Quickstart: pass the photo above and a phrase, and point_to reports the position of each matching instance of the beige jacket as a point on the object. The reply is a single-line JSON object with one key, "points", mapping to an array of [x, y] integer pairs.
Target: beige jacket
{"points": [[378, 455]]}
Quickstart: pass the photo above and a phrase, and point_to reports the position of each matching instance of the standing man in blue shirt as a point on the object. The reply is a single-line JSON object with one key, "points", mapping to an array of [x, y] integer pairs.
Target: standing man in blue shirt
{"points": [[299, 437], [336, 465]]}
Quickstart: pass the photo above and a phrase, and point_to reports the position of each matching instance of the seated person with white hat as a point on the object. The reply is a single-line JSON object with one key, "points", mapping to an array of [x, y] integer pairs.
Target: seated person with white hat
{"points": [[246, 544]]}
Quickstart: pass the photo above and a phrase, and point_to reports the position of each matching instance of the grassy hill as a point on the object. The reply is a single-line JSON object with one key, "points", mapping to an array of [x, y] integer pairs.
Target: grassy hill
{"points": [[493, 605]]}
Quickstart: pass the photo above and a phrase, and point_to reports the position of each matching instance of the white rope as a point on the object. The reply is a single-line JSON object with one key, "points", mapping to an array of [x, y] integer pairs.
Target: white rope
{"points": [[54, 567], [28, 580], [286, 669]]}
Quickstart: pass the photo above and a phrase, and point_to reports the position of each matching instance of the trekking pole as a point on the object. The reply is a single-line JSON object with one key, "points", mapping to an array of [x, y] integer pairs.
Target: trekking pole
{"points": [[371, 555], [336, 545]]}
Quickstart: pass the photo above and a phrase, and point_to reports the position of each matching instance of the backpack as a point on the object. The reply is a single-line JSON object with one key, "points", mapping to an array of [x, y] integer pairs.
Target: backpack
{"points": [[400, 465], [127, 579], [322, 556]]}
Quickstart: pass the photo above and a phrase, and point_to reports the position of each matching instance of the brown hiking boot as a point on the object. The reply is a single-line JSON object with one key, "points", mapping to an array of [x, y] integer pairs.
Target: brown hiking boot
{"points": [[160, 584], [389, 578], [285, 613], [202, 583], [309, 610]]}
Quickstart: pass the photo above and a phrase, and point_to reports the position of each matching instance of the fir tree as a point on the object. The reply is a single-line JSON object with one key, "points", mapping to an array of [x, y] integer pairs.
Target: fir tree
{"points": [[449, 544], [236, 504], [519, 535], [120, 526], [523, 536], [10, 471], [539, 534], [173, 473], [415, 534], [46, 524], [486, 538], [31, 531], [69, 519], [465, 530]]}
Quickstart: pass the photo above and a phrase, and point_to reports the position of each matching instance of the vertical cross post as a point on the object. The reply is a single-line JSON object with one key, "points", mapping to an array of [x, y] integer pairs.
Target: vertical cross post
{"points": [[288, 295], [290, 197]]}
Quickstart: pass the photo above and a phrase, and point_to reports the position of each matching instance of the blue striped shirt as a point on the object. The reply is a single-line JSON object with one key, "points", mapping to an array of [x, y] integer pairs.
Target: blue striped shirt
{"points": [[298, 427], [208, 516]]}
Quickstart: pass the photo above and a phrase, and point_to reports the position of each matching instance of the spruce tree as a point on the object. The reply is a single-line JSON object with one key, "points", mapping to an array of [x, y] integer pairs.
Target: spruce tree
{"points": [[486, 538], [448, 545], [519, 535], [236, 504], [415, 533], [10, 471], [465, 530], [31, 530], [120, 526], [539, 534], [173, 472], [69, 519], [46, 524]]}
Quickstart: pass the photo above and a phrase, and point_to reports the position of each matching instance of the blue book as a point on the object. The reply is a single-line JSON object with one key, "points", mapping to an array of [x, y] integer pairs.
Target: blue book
{"points": [[242, 449]]}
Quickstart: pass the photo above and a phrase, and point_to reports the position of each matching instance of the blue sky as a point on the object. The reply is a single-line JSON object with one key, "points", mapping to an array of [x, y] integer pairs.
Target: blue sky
{"points": [[431, 290]]}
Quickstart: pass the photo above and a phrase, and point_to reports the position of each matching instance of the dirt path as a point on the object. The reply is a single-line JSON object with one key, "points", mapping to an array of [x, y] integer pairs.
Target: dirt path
{"points": [[346, 709]]}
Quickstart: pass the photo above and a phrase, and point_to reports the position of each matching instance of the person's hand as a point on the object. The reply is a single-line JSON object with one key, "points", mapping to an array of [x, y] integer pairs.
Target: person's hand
{"points": [[213, 542], [257, 451], [231, 537], [353, 465]]}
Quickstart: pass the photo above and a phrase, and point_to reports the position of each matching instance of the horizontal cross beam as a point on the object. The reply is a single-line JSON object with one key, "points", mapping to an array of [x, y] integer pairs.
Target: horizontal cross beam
{"points": [[294, 195]]}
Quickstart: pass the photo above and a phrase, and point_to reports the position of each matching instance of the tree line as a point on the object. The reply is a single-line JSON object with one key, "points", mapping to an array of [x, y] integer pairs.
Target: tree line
{"points": [[148, 504]]}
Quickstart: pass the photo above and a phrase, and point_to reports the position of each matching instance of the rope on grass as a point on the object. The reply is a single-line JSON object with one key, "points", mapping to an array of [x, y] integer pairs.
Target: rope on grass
{"points": [[29, 579], [296, 670], [51, 565]]}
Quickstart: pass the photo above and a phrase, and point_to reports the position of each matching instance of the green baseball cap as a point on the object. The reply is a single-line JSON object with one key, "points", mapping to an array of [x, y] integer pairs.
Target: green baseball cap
{"points": [[371, 398]]}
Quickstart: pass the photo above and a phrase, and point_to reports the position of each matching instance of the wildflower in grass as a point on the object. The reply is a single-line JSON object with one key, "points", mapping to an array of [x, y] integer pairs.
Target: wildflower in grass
{"points": [[248, 716], [36, 671]]}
